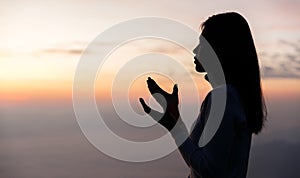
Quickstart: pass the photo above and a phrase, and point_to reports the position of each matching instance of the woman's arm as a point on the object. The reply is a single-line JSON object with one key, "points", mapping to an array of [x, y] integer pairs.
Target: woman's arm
{"points": [[212, 159]]}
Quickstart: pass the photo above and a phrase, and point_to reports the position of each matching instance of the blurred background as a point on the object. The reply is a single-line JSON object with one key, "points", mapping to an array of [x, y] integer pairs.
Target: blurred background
{"points": [[41, 43]]}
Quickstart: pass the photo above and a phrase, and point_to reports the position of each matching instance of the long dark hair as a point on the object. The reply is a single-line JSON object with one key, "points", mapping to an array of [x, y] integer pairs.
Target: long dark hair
{"points": [[230, 37]]}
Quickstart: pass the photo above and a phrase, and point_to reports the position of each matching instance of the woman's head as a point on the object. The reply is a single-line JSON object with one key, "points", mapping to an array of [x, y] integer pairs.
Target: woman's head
{"points": [[230, 37]]}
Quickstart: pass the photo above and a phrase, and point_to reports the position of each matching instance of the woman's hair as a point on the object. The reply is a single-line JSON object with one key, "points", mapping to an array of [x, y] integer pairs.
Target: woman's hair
{"points": [[230, 37]]}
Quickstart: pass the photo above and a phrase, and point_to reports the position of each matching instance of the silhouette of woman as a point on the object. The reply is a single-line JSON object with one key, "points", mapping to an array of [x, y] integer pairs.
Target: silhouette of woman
{"points": [[227, 153]]}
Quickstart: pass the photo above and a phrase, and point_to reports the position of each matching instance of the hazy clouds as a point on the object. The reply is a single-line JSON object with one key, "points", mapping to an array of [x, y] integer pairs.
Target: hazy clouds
{"points": [[42, 139]]}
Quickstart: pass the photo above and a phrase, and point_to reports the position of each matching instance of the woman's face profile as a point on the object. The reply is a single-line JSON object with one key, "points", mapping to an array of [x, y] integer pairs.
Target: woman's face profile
{"points": [[197, 58]]}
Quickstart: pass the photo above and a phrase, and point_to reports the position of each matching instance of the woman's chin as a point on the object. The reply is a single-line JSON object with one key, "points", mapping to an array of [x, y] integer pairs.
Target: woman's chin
{"points": [[200, 70]]}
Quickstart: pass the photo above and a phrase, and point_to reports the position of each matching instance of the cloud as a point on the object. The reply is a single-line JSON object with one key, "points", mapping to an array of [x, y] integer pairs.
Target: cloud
{"points": [[69, 48], [63, 51], [43, 139], [283, 63], [295, 46], [276, 159], [43, 143], [77, 48], [268, 69]]}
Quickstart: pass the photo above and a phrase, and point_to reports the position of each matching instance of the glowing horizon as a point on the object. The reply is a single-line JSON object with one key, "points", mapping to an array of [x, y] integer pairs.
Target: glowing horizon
{"points": [[40, 49]]}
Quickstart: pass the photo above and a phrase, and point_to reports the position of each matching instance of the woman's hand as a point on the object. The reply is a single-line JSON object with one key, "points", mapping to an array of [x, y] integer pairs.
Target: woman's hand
{"points": [[169, 102]]}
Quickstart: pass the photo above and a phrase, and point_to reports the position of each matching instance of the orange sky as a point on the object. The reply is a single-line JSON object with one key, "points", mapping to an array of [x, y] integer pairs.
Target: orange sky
{"points": [[41, 43], [27, 91]]}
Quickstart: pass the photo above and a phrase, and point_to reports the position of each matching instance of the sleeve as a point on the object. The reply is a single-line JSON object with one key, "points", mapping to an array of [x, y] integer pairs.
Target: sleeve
{"points": [[212, 159]]}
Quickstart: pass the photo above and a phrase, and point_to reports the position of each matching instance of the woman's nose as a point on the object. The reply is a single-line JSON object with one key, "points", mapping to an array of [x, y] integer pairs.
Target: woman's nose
{"points": [[195, 51]]}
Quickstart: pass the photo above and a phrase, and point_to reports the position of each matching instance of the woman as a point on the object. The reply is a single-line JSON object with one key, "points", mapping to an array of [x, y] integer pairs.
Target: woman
{"points": [[227, 153]]}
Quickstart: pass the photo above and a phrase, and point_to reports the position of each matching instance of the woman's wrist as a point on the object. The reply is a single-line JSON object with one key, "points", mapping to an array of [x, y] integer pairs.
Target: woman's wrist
{"points": [[179, 132]]}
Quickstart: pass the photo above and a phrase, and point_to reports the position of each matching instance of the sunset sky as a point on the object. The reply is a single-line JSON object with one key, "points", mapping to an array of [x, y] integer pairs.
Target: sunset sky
{"points": [[41, 43]]}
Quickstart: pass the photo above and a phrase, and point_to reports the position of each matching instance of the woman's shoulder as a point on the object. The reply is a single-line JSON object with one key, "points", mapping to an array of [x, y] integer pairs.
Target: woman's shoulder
{"points": [[229, 92], [232, 100]]}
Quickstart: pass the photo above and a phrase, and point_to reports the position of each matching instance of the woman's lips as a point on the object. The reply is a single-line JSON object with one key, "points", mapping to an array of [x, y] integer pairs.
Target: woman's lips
{"points": [[196, 60]]}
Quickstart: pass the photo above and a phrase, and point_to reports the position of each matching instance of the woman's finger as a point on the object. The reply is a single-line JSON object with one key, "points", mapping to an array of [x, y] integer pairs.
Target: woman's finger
{"points": [[175, 90], [154, 88], [153, 113], [146, 108]]}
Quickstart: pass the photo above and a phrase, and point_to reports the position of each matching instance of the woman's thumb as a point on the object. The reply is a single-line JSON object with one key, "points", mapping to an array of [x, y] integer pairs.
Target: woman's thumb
{"points": [[175, 89]]}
